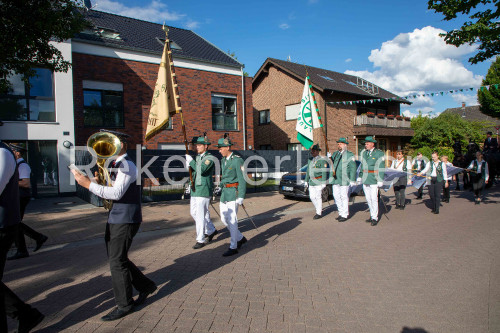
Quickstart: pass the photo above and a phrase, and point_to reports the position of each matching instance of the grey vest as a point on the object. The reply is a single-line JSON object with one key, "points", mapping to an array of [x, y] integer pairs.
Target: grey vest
{"points": [[127, 209], [10, 214]]}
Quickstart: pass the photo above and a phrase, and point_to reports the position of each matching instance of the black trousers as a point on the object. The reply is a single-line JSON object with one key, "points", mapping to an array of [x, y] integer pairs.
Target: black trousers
{"points": [[477, 185], [446, 192], [24, 229], [435, 189], [124, 274], [399, 190], [420, 191], [10, 304]]}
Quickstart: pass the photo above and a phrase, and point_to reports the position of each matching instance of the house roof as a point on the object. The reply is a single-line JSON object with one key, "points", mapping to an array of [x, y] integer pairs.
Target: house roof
{"points": [[323, 80], [143, 36], [472, 113]]}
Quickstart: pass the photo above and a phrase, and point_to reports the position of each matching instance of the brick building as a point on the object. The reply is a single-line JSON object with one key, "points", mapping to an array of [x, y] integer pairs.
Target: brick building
{"points": [[277, 90], [115, 67]]}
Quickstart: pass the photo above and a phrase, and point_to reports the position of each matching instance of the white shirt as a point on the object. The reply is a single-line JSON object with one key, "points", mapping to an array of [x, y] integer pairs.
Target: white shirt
{"points": [[399, 164], [126, 175], [486, 173], [434, 169], [24, 169], [7, 167]]}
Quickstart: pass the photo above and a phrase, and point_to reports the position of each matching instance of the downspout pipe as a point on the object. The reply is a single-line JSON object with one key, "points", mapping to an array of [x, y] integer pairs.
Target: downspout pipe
{"points": [[243, 109]]}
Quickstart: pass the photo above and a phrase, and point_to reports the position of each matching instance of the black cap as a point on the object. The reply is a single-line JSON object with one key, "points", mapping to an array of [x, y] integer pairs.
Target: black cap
{"points": [[18, 148], [120, 135], [490, 133]]}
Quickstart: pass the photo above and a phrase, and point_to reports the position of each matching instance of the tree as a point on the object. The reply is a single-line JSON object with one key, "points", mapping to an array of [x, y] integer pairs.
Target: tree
{"points": [[440, 133], [26, 30], [484, 29], [233, 55], [490, 99]]}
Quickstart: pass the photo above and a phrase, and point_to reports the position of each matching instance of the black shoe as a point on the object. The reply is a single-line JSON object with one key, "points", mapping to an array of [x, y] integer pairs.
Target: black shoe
{"points": [[316, 217], [18, 255], [211, 236], [144, 294], [241, 242], [369, 220], [342, 219], [374, 222], [338, 217], [419, 197], [40, 242], [116, 314], [436, 212], [402, 207], [397, 207], [230, 252], [198, 245], [29, 321]]}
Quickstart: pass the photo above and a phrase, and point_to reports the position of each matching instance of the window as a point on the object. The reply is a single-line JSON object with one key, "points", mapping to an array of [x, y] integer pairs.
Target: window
{"points": [[102, 108], [224, 113], [264, 117], [295, 146], [34, 102], [265, 147]]}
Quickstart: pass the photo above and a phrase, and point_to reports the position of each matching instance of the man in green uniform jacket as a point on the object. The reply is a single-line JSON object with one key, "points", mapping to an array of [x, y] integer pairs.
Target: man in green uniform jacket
{"points": [[316, 178], [203, 171], [372, 176], [344, 174], [234, 188]]}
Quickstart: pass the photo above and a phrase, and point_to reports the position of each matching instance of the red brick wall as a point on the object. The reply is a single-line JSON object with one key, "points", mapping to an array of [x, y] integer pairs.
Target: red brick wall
{"points": [[138, 79]]}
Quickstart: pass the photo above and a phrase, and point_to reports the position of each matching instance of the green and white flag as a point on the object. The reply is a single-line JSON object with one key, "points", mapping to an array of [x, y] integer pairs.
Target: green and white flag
{"points": [[308, 117]]}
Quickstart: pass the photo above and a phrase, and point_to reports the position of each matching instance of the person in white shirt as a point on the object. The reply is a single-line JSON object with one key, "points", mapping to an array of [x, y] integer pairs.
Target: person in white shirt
{"points": [[446, 190], [401, 164], [436, 175], [479, 174]]}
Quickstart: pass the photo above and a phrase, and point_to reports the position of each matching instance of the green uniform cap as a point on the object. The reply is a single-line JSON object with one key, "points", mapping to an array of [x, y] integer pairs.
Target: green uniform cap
{"points": [[343, 140], [224, 142], [370, 139], [316, 147]]}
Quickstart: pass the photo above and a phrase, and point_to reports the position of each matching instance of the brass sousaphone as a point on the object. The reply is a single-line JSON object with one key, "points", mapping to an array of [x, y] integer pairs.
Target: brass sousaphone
{"points": [[104, 145]]}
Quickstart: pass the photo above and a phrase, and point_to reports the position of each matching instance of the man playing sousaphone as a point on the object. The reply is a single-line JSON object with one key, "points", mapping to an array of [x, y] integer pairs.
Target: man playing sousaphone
{"points": [[124, 220], [203, 170]]}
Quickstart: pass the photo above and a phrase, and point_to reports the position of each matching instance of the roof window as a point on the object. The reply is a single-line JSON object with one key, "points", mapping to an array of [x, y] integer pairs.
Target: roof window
{"points": [[326, 78], [173, 45]]}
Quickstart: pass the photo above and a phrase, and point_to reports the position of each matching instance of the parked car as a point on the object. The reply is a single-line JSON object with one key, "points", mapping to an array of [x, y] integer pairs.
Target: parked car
{"points": [[292, 185]]}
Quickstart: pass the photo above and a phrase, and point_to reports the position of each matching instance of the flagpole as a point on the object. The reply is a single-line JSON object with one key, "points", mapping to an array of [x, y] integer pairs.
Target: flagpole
{"points": [[177, 99], [317, 110]]}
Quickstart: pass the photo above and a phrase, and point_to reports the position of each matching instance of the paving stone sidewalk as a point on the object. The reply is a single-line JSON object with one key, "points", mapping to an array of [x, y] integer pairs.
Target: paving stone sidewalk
{"points": [[414, 272]]}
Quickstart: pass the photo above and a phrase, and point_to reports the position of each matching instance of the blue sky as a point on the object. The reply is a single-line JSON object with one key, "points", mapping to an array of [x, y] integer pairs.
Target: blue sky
{"points": [[392, 43]]}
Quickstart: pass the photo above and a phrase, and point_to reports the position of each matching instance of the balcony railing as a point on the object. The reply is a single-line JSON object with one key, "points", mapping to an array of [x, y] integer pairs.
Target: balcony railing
{"points": [[381, 121]]}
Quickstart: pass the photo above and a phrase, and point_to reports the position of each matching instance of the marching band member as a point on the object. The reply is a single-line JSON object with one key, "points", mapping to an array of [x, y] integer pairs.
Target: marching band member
{"points": [[446, 190], [372, 175], [124, 220], [203, 170], [436, 170], [400, 164], [344, 167], [234, 188], [480, 175], [418, 166], [316, 179]]}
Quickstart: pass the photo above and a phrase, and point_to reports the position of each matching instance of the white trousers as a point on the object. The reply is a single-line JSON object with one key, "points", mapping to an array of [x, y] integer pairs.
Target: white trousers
{"points": [[371, 195], [315, 196], [340, 195], [228, 214], [201, 216]]}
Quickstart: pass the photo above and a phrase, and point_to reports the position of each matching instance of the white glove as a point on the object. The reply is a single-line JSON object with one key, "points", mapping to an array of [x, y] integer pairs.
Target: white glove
{"points": [[353, 184], [329, 155], [239, 201], [380, 184], [358, 181], [187, 190], [188, 159], [306, 185], [217, 190]]}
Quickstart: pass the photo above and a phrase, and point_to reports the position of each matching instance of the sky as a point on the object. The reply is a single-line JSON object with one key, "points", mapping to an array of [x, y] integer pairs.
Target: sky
{"points": [[394, 44]]}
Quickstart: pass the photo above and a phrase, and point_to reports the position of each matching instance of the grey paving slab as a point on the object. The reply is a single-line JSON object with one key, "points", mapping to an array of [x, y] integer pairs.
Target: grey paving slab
{"points": [[414, 272]]}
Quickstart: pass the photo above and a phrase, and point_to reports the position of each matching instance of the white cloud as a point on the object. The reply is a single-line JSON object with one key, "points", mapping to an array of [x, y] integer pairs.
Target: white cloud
{"points": [[284, 26], [348, 60], [192, 24], [156, 11], [468, 99], [419, 60]]}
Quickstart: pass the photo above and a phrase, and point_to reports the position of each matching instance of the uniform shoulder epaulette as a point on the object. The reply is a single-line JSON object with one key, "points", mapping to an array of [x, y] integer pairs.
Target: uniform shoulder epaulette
{"points": [[237, 156]]}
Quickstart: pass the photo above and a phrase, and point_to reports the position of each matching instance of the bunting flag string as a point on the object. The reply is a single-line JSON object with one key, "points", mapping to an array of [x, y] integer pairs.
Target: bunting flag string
{"points": [[414, 96]]}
